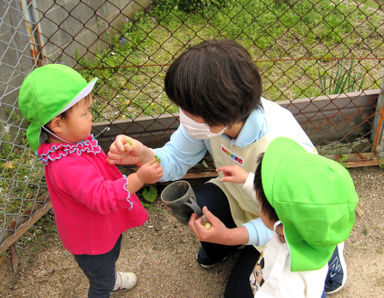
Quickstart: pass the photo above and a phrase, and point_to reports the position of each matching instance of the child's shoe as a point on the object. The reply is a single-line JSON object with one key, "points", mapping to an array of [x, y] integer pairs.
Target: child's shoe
{"points": [[337, 271], [124, 281]]}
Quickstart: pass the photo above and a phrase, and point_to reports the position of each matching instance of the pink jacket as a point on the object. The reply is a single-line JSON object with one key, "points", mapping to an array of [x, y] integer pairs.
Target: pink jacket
{"points": [[90, 201]]}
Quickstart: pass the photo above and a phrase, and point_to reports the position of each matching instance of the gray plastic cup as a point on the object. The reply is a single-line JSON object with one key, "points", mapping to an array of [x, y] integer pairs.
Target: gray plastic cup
{"points": [[180, 198]]}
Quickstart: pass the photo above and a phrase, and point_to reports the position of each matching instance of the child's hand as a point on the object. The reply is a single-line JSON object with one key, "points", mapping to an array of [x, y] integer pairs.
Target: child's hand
{"points": [[150, 172], [233, 173], [126, 150]]}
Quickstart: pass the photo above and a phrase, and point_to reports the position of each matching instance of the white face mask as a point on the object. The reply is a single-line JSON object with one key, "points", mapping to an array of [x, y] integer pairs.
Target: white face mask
{"points": [[197, 130]]}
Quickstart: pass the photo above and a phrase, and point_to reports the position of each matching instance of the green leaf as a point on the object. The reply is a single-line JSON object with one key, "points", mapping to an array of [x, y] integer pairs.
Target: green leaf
{"points": [[344, 80], [150, 193]]}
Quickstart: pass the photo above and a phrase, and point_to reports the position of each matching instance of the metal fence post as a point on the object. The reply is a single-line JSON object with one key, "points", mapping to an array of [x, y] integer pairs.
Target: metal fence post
{"points": [[377, 136]]}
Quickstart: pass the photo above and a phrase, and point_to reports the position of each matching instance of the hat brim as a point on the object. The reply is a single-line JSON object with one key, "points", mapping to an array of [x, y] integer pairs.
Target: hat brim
{"points": [[83, 93], [303, 255]]}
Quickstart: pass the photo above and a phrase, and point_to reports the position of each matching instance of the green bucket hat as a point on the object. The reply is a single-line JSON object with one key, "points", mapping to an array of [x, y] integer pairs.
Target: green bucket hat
{"points": [[47, 92], [313, 196]]}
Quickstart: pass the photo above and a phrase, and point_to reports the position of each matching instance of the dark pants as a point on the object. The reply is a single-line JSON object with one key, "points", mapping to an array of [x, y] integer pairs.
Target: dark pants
{"points": [[100, 270], [238, 285]]}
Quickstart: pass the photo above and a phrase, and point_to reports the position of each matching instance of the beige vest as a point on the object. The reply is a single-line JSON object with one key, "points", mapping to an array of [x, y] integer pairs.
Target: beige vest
{"points": [[243, 206]]}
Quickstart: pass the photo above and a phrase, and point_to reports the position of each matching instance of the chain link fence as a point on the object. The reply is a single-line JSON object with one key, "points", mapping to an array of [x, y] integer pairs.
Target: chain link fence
{"points": [[321, 59]]}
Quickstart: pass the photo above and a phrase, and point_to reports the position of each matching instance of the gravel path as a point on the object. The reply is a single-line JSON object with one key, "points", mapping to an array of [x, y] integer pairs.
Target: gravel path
{"points": [[162, 254]]}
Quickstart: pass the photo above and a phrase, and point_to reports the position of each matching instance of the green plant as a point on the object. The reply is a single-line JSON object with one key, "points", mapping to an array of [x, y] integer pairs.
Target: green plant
{"points": [[21, 175], [344, 161], [270, 29], [381, 163], [157, 159], [148, 195], [162, 7], [344, 80]]}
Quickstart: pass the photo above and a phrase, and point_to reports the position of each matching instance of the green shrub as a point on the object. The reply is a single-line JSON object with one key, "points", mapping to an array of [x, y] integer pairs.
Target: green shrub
{"points": [[344, 80]]}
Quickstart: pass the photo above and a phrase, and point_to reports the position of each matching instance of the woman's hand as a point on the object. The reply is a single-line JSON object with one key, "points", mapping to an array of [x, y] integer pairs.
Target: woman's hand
{"points": [[233, 173], [217, 232], [125, 150]]}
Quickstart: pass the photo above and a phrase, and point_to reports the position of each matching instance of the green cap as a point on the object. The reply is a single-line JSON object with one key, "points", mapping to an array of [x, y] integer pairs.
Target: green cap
{"points": [[47, 92], [313, 196]]}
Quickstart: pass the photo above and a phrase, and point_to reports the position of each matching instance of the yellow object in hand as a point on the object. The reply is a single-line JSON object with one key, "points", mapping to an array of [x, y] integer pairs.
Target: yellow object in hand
{"points": [[207, 225], [204, 222]]}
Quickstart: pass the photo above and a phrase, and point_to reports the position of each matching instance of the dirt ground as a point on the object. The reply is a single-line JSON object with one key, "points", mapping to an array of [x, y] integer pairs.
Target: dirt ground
{"points": [[162, 254]]}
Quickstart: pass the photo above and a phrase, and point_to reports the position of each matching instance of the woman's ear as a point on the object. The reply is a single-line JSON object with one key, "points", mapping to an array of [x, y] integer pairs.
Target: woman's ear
{"points": [[55, 125]]}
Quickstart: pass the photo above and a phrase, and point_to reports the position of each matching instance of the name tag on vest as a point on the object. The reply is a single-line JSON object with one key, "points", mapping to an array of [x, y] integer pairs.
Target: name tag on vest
{"points": [[239, 160]]}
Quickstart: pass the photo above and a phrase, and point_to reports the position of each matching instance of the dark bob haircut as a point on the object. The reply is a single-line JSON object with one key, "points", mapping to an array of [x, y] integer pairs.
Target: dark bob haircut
{"points": [[215, 80]]}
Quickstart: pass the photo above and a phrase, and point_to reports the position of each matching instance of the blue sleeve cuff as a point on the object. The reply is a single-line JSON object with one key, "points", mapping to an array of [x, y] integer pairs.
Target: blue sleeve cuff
{"points": [[258, 233], [179, 154], [128, 193]]}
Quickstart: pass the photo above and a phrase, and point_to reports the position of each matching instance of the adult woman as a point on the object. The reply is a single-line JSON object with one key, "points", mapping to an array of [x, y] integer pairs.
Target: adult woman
{"points": [[218, 89]]}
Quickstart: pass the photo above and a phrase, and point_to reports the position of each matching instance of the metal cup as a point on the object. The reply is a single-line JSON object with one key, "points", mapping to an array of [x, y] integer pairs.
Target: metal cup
{"points": [[180, 198]]}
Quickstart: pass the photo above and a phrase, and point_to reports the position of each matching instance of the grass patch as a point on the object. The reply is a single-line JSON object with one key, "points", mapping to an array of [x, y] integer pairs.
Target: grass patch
{"points": [[22, 178], [271, 30]]}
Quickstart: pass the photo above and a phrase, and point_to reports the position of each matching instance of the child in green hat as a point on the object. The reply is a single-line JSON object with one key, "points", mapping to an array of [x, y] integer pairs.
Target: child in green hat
{"points": [[309, 202], [92, 201]]}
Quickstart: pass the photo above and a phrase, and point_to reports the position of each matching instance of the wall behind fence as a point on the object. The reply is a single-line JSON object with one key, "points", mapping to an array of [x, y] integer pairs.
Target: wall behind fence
{"points": [[323, 60]]}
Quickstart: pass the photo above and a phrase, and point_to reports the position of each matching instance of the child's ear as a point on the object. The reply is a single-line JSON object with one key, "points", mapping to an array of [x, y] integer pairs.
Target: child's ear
{"points": [[280, 232], [55, 125], [280, 229]]}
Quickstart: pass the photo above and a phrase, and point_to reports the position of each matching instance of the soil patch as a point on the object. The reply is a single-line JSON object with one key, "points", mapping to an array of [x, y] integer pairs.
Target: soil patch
{"points": [[162, 254]]}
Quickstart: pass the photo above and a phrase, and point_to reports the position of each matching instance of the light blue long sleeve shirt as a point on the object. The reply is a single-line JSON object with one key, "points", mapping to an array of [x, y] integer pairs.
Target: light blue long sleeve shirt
{"points": [[183, 151]]}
